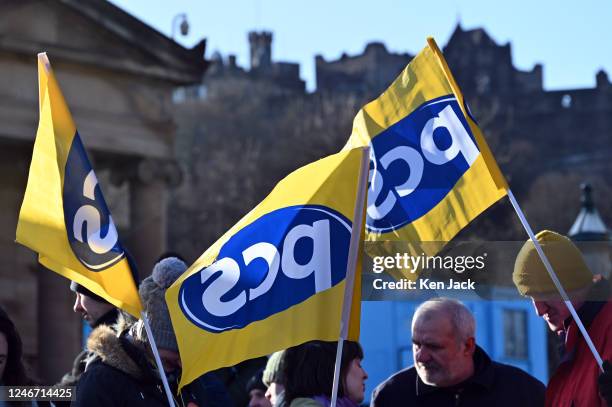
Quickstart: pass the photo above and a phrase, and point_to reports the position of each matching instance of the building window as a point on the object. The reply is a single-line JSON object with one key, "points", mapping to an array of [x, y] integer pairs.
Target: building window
{"points": [[515, 333], [483, 83], [179, 95], [566, 101], [202, 92]]}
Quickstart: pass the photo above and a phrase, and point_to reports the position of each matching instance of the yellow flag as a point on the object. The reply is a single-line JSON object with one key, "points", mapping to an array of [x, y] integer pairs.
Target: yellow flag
{"points": [[64, 216], [277, 278], [431, 169]]}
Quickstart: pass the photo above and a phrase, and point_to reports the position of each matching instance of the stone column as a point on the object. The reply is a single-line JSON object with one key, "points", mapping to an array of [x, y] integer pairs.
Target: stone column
{"points": [[38, 301], [59, 328], [149, 184]]}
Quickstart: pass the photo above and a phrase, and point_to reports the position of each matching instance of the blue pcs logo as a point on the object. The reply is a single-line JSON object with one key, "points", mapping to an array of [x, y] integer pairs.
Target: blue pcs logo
{"points": [[278, 261], [416, 162], [91, 231]]}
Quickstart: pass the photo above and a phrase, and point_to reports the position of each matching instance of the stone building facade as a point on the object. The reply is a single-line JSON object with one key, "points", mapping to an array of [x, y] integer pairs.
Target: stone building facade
{"points": [[117, 75], [368, 73]]}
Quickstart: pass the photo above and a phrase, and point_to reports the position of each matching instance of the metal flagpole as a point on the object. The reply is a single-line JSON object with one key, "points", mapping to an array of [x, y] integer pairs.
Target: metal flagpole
{"points": [[160, 367], [337, 372], [351, 266], [555, 280]]}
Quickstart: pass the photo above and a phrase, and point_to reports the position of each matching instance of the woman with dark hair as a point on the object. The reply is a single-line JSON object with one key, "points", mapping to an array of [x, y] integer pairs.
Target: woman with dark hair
{"points": [[309, 370], [12, 370]]}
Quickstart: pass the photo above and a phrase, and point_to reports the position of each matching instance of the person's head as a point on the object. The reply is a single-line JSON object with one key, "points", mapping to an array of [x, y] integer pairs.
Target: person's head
{"points": [[256, 390], [309, 371], [170, 359], [272, 377], [532, 280], [12, 370], [443, 342], [152, 290], [91, 306], [353, 379]]}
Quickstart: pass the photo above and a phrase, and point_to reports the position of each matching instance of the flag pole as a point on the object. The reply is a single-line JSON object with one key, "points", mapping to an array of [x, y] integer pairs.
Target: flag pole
{"points": [[160, 367], [334, 397], [351, 266], [555, 280]]}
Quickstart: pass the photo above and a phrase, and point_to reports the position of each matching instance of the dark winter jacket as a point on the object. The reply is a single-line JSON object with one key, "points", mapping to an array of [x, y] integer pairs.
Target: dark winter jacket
{"points": [[493, 384], [119, 373], [116, 376]]}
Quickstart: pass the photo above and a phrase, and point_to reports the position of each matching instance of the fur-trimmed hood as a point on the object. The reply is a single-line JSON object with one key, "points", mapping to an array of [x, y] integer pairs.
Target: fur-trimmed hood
{"points": [[118, 371], [104, 344]]}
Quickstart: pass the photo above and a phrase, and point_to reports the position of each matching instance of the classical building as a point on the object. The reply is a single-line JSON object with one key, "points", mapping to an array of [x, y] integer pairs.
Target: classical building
{"points": [[117, 75]]}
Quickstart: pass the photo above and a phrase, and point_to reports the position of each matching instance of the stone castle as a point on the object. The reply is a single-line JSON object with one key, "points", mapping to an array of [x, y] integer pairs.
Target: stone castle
{"points": [[480, 65], [546, 142], [504, 99]]}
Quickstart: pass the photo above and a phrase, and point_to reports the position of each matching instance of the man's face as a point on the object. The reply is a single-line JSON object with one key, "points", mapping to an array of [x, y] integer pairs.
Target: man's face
{"points": [[3, 354], [274, 390], [257, 398], [439, 357], [90, 309], [553, 311]]}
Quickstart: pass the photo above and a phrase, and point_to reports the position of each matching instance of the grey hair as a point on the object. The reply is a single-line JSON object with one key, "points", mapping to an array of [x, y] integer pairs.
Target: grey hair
{"points": [[460, 316]]}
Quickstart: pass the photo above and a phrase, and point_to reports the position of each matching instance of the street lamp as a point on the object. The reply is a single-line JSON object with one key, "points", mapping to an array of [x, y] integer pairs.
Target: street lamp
{"points": [[180, 19]]}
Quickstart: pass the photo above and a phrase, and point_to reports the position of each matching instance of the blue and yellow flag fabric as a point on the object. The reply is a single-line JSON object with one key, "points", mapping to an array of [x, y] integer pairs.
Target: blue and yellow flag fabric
{"points": [[64, 216], [277, 278], [431, 171]]}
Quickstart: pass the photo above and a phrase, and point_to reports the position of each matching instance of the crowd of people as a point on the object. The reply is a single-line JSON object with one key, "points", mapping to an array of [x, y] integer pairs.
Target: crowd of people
{"points": [[450, 369]]}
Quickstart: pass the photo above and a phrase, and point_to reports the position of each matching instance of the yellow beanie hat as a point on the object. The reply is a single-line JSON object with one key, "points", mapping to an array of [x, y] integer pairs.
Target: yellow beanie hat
{"points": [[530, 276]]}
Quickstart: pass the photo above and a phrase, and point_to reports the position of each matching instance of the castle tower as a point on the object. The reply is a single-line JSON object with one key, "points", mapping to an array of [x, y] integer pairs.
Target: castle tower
{"points": [[261, 50], [602, 79]]}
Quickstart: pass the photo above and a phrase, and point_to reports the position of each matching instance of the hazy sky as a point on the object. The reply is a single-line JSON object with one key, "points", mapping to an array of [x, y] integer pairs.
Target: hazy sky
{"points": [[571, 39]]}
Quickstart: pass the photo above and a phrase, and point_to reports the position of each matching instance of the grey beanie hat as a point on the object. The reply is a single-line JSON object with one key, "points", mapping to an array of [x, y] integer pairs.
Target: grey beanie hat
{"points": [[152, 290]]}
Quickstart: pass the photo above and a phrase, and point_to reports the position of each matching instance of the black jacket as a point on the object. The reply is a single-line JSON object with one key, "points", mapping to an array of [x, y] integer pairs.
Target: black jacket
{"points": [[493, 384], [115, 375], [118, 373]]}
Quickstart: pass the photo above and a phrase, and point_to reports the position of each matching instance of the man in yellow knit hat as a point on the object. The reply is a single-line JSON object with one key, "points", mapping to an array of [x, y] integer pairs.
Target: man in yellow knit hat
{"points": [[577, 380]]}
